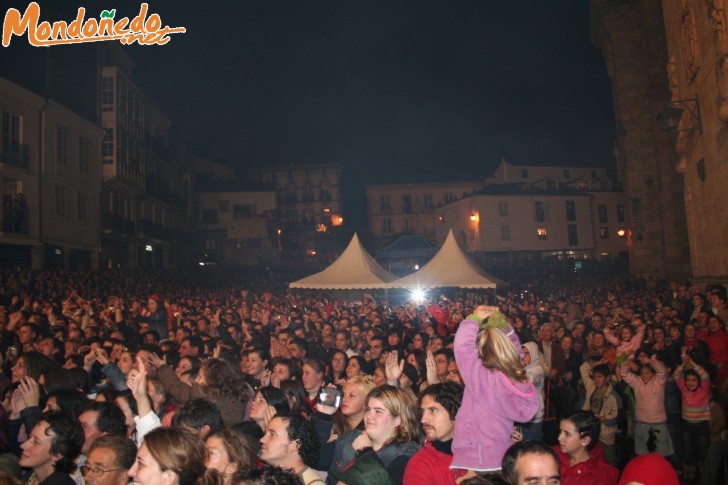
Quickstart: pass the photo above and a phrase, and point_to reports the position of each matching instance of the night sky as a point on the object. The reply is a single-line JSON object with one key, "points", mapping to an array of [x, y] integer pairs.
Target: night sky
{"points": [[394, 91]]}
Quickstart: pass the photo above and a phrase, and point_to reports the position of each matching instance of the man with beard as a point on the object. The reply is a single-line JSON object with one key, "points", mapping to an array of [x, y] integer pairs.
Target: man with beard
{"points": [[439, 405]]}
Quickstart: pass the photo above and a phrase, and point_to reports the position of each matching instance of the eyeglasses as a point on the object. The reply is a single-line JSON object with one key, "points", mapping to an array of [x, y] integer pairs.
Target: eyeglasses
{"points": [[96, 472]]}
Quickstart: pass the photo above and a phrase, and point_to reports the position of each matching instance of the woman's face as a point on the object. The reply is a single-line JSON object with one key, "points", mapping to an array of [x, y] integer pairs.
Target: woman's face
{"points": [[126, 363], [338, 362], [256, 365], [353, 400], [411, 359], [417, 342], [569, 439], [183, 366], [18, 370], [526, 356], [37, 449], [146, 471], [379, 424], [311, 379], [282, 372], [626, 335], [353, 369], [258, 407], [218, 458], [152, 305]]}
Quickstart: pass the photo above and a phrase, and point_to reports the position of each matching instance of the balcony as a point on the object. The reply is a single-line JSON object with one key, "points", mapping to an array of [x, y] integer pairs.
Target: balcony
{"points": [[149, 229], [111, 222], [15, 154]]}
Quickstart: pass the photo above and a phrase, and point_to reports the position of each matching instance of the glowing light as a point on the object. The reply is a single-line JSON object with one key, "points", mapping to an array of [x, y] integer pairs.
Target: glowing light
{"points": [[418, 295], [474, 217], [417, 266], [336, 220], [321, 228], [621, 232], [327, 210], [311, 252]]}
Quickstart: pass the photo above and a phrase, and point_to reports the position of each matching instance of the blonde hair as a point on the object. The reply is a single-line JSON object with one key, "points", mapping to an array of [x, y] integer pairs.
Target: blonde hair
{"points": [[364, 382], [498, 353], [402, 405]]}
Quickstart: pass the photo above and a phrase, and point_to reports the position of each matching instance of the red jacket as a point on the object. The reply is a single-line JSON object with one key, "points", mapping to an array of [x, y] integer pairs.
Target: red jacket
{"points": [[594, 471], [429, 465], [718, 346]]}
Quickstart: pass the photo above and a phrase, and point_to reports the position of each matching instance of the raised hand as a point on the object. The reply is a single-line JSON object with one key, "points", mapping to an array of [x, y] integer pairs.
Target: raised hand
{"points": [[30, 390], [432, 377], [393, 369]]}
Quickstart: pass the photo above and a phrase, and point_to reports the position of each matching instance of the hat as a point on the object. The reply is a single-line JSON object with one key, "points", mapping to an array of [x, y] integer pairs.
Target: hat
{"points": [[154, 297], [649, 469], [411, 372]]}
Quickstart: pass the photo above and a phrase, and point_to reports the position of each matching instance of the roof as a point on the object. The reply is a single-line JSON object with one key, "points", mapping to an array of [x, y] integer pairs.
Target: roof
{"points": [[355, 269], [411, 246], [450, 267], [523, 188]]}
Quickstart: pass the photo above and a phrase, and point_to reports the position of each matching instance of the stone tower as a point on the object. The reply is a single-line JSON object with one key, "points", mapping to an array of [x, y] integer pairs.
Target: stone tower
{"points": [[631, 36]]}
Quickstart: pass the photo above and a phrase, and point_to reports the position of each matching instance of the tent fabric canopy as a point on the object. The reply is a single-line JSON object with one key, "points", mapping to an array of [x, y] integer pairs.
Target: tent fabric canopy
{"points": [[451, 267], [410, 246], [355, 269]]}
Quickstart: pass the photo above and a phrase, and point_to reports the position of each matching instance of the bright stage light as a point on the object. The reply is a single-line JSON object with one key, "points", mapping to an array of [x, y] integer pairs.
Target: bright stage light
{"points": [[418, 295]]}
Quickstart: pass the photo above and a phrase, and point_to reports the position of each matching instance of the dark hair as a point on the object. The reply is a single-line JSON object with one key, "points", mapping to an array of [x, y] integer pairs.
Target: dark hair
{"points": [[110, 419], [602, 369], [316, 365], [69, 401], [262, 353], [446, 352], [521, 448], [275, 397], [301, 430], [360, 360], [588, 425], [37, 364], [693, 372], [421, 359], [127, 396], [67, 440], [266, 475], [197, 413], [225, 380], [195, 342], [237, 447], [447, 394], [56, 378], [294, 390], [123, 447], [250, 432], [490, 478]]}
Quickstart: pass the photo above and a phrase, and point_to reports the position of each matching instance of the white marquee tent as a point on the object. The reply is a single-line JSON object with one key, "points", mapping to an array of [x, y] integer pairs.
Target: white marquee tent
{"points": [[355, 269], [450, 267]]}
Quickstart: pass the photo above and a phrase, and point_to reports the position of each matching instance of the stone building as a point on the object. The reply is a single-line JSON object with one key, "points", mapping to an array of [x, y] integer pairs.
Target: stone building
{"points": [[651, 60]]}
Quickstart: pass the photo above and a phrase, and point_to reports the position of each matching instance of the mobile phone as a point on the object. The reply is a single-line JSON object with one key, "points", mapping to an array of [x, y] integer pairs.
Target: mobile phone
{"points": [[330, 396]]}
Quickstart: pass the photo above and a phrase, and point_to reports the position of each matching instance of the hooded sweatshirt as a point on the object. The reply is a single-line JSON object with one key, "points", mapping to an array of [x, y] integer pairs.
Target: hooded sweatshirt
{"points": [[535, 373], [491, 405]]}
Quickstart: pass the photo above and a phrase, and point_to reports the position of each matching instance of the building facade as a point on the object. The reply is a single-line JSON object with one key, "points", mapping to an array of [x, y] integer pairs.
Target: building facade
{"points": [[50, 168], [394, 209]]}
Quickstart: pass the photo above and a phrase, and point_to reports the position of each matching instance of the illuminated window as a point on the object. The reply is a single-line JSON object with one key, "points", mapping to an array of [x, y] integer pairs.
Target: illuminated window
{"points": [[542, 233]]}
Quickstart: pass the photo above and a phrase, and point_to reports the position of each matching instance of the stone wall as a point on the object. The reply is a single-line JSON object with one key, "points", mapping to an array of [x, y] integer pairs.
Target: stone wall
{"points": [[631, 35]]}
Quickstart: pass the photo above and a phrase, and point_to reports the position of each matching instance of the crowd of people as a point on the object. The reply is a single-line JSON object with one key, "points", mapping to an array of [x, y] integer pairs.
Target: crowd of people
{"points": [[221, 377]]}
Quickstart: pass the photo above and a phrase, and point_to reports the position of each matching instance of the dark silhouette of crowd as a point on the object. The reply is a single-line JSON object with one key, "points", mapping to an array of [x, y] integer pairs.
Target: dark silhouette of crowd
{"points": [[222, 376]]}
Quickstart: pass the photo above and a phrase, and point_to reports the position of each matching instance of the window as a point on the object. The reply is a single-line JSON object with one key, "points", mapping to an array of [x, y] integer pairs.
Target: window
{"points": [[524, 173], [107, 146], [12, 135], [84, 153], [291, 216], [503, 209], [210, 244], [63, 148], [594, 174], [551, 184], [82, 207], [570, 210], [567, 173], [449, 197], [384, 204], [209, 216], [427, 201], [60, 199], [542, 233], [602, 214], [107, 93], [407, 204], [505, 233], [636, 206], [541, 213], [223, 206], [573, 235], [604, 232], [244, 211], [406, 227], [386, 226], [620, 213]]}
